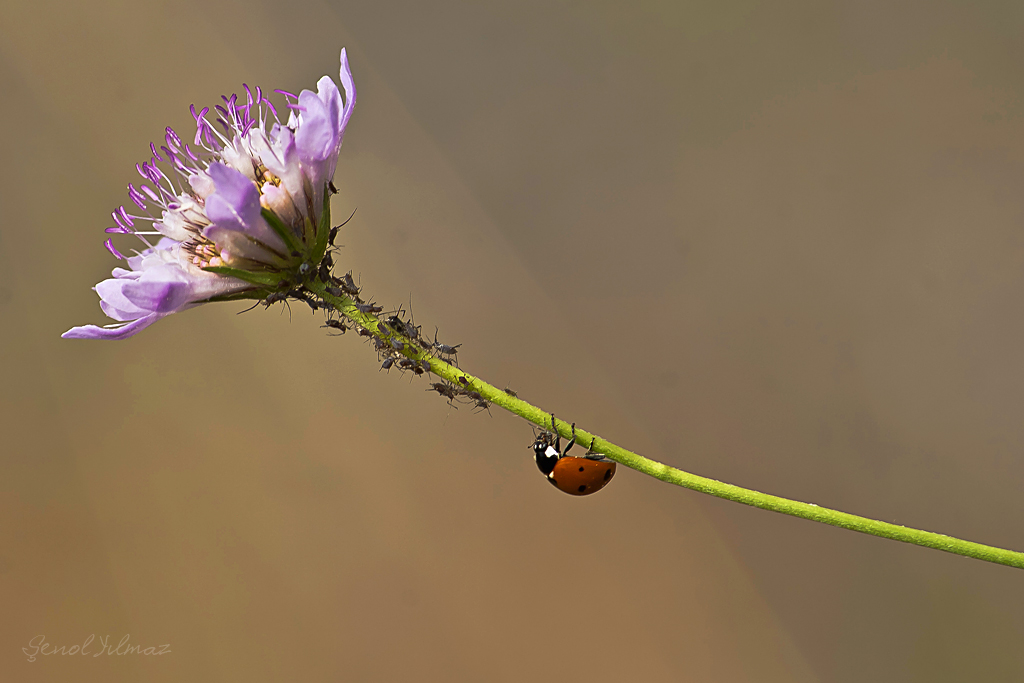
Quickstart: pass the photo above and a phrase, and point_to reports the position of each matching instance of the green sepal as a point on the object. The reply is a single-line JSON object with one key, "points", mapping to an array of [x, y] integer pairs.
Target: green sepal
{"points": [[323, 230], [262, 279], [282, 230]]}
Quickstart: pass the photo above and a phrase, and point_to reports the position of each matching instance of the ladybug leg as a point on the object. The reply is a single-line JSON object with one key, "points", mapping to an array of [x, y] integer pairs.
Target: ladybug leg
{"points": [[591, 453], [558, 438], [571, 441]]}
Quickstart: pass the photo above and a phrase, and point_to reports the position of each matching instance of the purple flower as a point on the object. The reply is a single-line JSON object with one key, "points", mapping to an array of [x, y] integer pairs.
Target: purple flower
{"points": [[243, 211]]}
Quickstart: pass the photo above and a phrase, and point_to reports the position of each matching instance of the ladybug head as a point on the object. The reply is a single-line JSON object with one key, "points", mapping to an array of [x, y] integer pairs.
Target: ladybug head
{"points": [[545, 452]]}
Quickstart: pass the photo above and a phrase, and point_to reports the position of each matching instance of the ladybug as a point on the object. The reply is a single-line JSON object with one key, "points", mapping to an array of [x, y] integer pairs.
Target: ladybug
{"points": [[577, 476]]}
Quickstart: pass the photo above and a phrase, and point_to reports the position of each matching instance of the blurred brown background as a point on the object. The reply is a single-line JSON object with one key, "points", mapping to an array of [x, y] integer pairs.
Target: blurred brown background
{"points": [[778, 244]]}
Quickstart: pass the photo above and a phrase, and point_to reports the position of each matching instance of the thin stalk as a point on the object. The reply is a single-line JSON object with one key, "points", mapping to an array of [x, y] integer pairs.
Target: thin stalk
{"points": [[665, 473]]}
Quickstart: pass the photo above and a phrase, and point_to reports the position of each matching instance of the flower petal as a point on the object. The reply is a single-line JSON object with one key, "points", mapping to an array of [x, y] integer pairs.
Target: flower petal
{"points": [[317, 133], [235, 206], [350, 90], [278, 153], [121, 315], [112, 293], [112, 332], [165, 289]]}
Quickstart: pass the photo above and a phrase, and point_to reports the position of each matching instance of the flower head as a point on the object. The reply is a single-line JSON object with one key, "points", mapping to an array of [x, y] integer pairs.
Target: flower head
{"points": [[243, 211]]}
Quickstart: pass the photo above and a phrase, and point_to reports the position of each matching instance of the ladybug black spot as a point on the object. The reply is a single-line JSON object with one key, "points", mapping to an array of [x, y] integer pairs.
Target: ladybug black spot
{"points": [[608, 474], [581, 469], [582, 488]]}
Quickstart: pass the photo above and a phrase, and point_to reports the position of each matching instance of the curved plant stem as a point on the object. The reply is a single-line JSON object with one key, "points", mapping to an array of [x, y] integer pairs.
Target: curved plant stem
{"points": [[672, 475]]}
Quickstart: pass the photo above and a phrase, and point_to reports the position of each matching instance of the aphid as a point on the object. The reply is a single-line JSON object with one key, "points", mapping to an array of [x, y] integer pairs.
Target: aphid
{"points": [[348, 285], [446, 390], [411, 331], [399, 325], [463, 380], [325, 271], [406, 363], [363, 332], [510, 392], [336, 325], [483, 405], [299, 294], [388, 362], [327, 260], [369, 308], [573, 475], [425, 364], [444, 348], [335, 291], [474, 396], [397, 345], [274, 297]]}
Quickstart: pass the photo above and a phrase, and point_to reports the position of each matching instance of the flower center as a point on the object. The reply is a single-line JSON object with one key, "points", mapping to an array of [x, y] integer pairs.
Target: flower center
{"points": [[267, 176], [203, 252]]}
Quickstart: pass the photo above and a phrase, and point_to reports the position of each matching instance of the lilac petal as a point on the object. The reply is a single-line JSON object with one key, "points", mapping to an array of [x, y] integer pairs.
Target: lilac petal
{"points": [[173, 226], [202, 184], [235, 207], [137, 263], [279, 155], [122, 273], [316, 134], [277, 152], [350, 90], [280, 201], [321, 125], [121, 315], [162, 290], [142, 297], [236, 202], [112, 293], [113, 332], [328, 93]]}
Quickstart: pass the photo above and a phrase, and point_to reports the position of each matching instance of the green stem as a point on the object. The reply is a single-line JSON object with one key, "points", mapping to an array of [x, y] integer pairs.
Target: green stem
{"points": [[672, 475]]}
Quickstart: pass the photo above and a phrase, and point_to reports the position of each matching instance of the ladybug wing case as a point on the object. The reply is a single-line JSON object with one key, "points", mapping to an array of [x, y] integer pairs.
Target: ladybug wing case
{"points": [[581, 476]]}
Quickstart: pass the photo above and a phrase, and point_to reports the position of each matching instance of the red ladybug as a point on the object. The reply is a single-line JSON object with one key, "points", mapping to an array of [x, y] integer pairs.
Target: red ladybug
{"points": [[577, 476]]}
